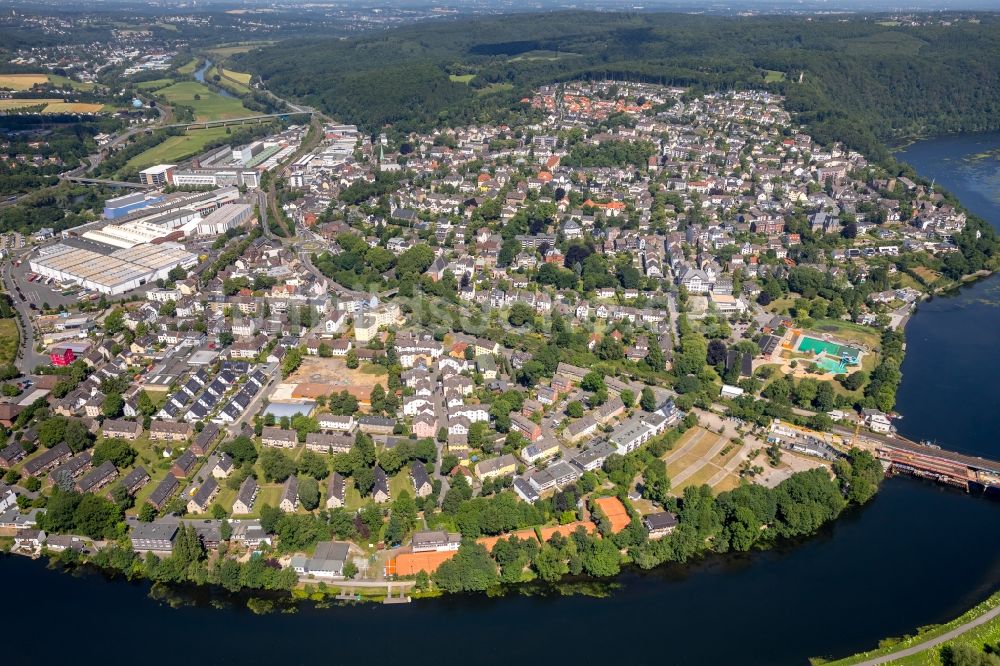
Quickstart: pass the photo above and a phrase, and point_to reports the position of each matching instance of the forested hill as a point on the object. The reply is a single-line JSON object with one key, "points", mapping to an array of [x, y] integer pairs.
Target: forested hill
{"points": [[864, 81]]}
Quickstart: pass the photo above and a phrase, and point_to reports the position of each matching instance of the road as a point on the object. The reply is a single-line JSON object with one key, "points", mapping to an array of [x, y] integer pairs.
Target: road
{"points": [[934, 642], [28, 359]]}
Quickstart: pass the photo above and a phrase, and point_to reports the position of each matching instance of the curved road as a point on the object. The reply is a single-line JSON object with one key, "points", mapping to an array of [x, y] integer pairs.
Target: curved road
{"points": [[933, 642]]}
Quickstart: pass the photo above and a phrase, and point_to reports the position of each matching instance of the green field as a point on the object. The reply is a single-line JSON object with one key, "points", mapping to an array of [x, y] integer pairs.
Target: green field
{"points": [[229, 83], [233, 49], [773, 76], [57, 80], [8, 340], [461, 78], [177, 148], [188, 68], [209, 106], [155, 84], [239, 77]]}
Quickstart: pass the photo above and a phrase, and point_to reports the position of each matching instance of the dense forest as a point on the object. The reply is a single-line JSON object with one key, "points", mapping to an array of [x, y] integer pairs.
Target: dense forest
{"points": [[865, 82]]}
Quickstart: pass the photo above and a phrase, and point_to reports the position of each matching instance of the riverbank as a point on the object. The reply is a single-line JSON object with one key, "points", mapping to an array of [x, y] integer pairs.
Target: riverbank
{"points": [[976, 627]]}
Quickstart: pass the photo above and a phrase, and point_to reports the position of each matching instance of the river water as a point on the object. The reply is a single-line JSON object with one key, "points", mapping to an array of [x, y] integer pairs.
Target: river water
{"points": [[199, 75], [918, 554]]}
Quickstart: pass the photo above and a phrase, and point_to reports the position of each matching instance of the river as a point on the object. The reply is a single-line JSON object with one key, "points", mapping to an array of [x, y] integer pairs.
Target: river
{"points": [[917, 554], [199, 75]]}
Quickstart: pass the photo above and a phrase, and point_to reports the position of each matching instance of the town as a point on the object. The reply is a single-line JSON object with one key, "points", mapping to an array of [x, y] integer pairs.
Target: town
{"points": [[487, 353]]}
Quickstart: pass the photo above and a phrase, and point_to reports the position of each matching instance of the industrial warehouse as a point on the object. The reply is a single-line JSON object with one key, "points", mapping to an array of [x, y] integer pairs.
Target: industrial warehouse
{"points": [[107, 270]]}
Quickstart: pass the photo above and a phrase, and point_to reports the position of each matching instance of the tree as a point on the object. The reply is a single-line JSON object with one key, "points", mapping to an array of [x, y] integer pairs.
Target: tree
{"points": [[118, 451], [352, 358], [520, 314], [51, 431], [647, 399], [961, 654], [574, 409], [458, 492], [470, 570], [308, 492], [241, 450], [77, 436], [112, 405], [147, 513], [313, 465], [276, 466], [550, 564], [593, 381]]}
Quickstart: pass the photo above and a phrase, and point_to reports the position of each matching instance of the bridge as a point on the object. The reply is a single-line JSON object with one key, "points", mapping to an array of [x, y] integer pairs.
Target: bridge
{"points": [[222, 122], [104, 181]]}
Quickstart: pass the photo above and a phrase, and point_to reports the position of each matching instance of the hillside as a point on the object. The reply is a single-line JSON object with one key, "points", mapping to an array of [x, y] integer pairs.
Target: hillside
{"points": [[862, 82]]}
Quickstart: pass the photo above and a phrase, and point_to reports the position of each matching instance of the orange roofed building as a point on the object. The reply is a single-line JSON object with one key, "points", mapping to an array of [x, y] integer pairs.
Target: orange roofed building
{"points": [[615, 511]]}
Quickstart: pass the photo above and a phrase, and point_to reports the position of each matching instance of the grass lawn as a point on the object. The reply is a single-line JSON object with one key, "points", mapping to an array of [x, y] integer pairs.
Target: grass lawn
{"points": [[849, 331], [8, 340], [209, 106], [773, 76], [401, 482], [461, 78], [352, 498], [781, 305], [188, 68], [155, 84], [177, 148], [233, 49], [239, 77], [57, 80]]}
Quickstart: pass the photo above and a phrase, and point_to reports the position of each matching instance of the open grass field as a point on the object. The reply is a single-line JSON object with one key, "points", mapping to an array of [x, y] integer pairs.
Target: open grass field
{"points": [[400, 482], [73, 107], [233, 49], [177, 148], [239, 77], [461, 78], [230, 84], [13, 104], [849, 331], [542, 54], [155, 84], [209, 105], [773, 76], [8, 340], [22, 81], [698, 458], [189, 68], [57, 80], [926, 274]]}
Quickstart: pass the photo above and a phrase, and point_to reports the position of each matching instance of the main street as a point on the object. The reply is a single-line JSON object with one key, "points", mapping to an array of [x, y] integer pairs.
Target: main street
{"points": [[27, 359]]}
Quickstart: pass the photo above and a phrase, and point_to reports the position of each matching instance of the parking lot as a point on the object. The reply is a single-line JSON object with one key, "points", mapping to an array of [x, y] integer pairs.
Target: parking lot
{"points": [[38, 293]]}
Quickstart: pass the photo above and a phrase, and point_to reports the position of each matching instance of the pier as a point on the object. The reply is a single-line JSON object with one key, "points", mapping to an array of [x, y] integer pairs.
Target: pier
{"points": [[903, 456]]}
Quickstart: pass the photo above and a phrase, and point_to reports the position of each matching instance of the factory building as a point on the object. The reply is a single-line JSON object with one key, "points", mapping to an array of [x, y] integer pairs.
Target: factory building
{"points": [[90, 265], [121, 206], [158, 176], [225, 218]]}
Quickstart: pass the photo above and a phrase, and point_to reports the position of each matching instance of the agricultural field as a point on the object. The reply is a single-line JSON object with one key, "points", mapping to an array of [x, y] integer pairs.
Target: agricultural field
{"points": [[177, 148], [239, 77], [227, 82], [209, 105], [22, 81], [8, 341], [12, 104], [461, 78], [73, 107]]}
